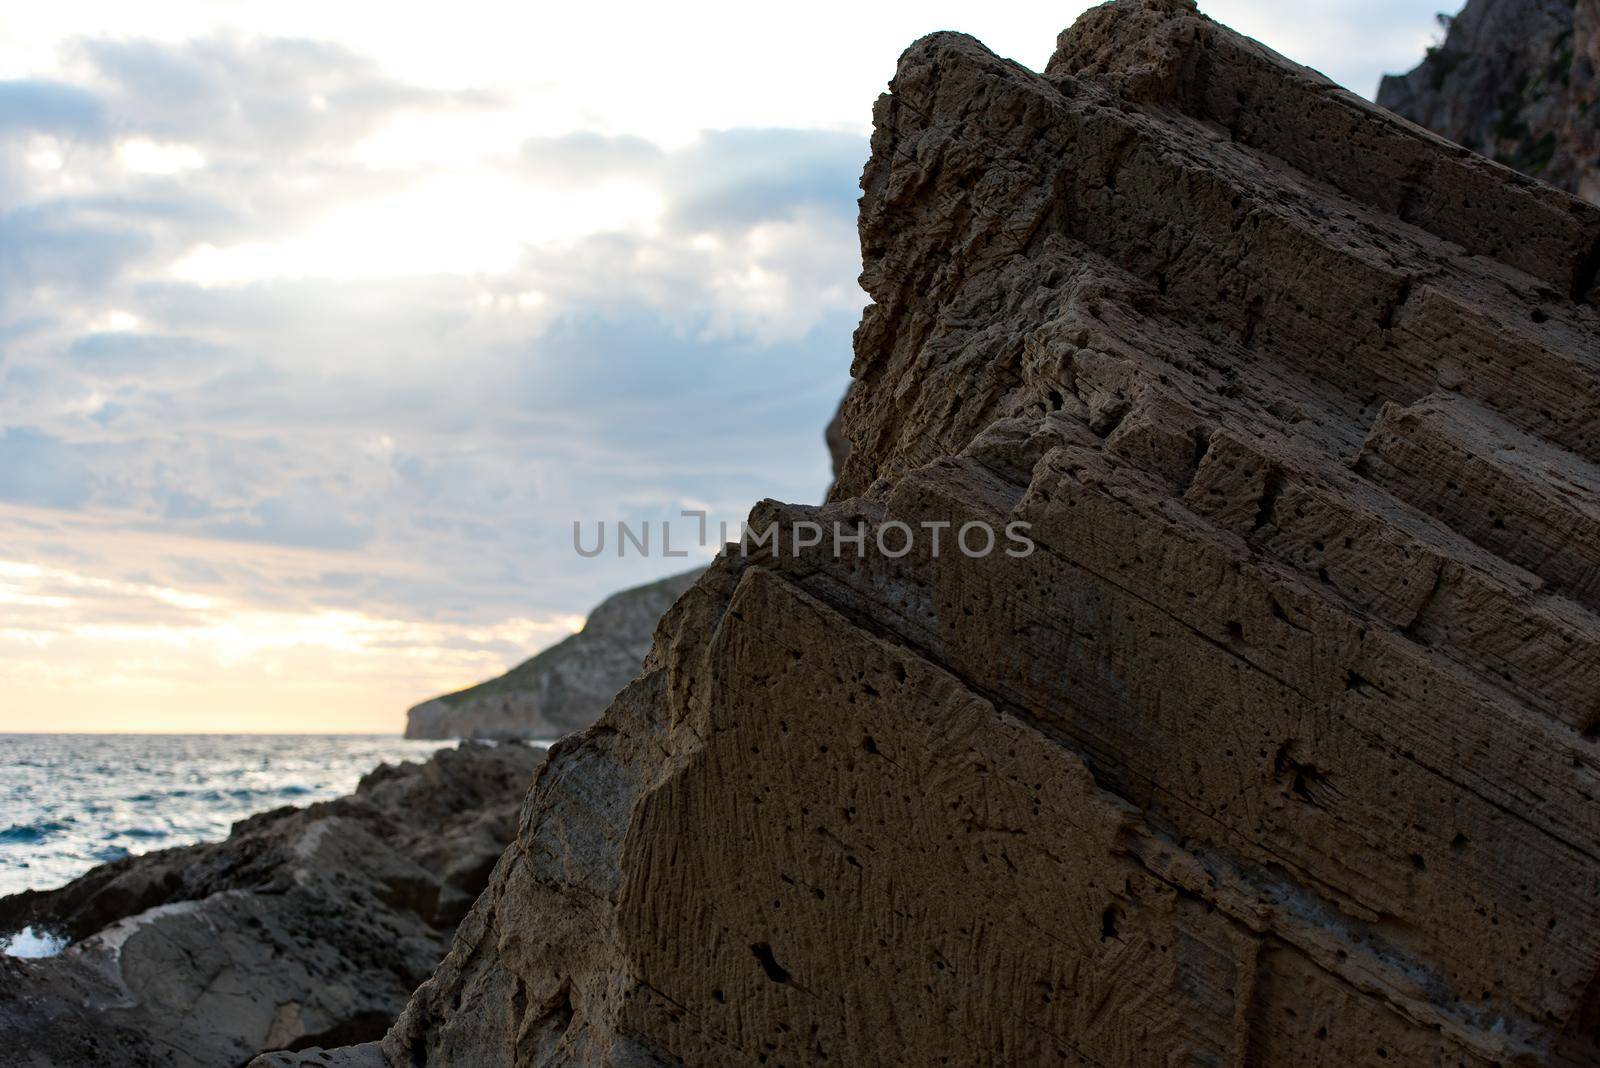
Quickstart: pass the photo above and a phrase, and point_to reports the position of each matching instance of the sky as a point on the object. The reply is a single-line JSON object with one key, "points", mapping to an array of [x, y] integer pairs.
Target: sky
{"points": [[321, 324]]}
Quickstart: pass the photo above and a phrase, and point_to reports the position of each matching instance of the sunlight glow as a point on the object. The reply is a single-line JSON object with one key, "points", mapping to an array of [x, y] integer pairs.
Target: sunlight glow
{"points": [[143, 156], [457, 224], [101, 650]]}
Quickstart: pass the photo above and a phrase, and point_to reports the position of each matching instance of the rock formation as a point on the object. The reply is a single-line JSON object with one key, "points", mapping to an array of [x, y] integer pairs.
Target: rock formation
{"points": [[1519, 81], [833, 437], [564, 688], [1280, 747], [305, 926]]}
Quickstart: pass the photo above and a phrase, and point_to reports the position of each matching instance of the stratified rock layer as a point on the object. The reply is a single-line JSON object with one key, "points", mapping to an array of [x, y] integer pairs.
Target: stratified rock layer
{"points": [[305, 926], [1518, 80], [1279, 749], [564, 688]]}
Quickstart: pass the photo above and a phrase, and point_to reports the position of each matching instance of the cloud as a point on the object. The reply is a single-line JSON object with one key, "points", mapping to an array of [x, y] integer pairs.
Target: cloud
{"points": [[50, 107], [584, 156], [305, 519], [36, 468], [261, 97], [56, 244], [119, 353], [389, 436], [731, 180]]}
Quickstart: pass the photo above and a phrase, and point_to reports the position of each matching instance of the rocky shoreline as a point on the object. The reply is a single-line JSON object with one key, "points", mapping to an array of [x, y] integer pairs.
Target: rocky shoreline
{"points": [[307, 926], [1279, 750]]}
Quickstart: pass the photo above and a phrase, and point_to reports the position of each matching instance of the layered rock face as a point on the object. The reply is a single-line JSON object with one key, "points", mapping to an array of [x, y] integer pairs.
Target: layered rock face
{"points": [[1279, 748], [564, 688], [1518, 80], [307, 926]]}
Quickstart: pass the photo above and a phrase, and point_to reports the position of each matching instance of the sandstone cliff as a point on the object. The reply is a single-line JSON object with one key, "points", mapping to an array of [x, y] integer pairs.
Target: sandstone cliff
{"points": [[1279, 749], [305, 926], [564, 688], [1518, 80]]}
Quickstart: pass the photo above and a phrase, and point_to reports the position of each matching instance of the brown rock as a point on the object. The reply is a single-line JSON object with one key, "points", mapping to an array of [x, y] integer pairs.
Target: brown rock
{"points": [[1274, 751]]}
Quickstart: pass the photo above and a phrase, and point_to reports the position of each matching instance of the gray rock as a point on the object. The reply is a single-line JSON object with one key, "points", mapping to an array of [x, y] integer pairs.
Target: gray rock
{"points": [[1518, 81], [305, 927], [367, 1055], [564, 688]]}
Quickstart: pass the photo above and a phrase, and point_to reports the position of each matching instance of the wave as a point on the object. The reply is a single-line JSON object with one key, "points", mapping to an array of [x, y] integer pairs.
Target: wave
{"points": [[31, 833], [69, 802]]}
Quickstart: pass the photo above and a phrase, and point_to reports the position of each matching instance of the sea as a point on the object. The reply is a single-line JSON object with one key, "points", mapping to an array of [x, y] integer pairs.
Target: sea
{"points": [[71, 801]]}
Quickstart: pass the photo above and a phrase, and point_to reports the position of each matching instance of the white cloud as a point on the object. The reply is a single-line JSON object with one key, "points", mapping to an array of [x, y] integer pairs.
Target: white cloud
{"points": [[140, 155]]}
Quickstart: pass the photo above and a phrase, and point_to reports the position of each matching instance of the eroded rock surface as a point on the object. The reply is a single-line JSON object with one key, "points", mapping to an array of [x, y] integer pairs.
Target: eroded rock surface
{"points": [[1281, 747], [564, 688], [1517, 80], [305, 927]]}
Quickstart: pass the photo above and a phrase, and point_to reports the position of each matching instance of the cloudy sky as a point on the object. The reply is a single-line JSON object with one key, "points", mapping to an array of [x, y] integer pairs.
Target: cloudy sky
{"points": [[321, 323]]}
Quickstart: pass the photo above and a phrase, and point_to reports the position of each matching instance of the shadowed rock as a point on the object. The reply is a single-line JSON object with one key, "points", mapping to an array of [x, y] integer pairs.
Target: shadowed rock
{"points": [[305, 927], [564, 688], [1519, 81]]}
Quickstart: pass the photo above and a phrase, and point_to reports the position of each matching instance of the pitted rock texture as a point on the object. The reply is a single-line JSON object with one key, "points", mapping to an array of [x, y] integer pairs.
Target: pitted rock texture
{"points": [[305, 927], [1279, 749], [1519, 81], [564, 688]]}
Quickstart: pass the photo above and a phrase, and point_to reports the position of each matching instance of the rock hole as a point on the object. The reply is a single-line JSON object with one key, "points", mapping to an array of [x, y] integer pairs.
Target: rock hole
{"points": [[769, 963], [1108, 923]]}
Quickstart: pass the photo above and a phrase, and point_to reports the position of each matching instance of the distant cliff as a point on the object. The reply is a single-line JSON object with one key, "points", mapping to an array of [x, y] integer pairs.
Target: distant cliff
{"points": [[1515, 80], [564, 688]]}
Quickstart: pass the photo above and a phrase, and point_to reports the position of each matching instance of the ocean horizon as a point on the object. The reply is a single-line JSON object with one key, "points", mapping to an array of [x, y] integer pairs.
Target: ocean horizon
{"points": [[72, 801]]}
